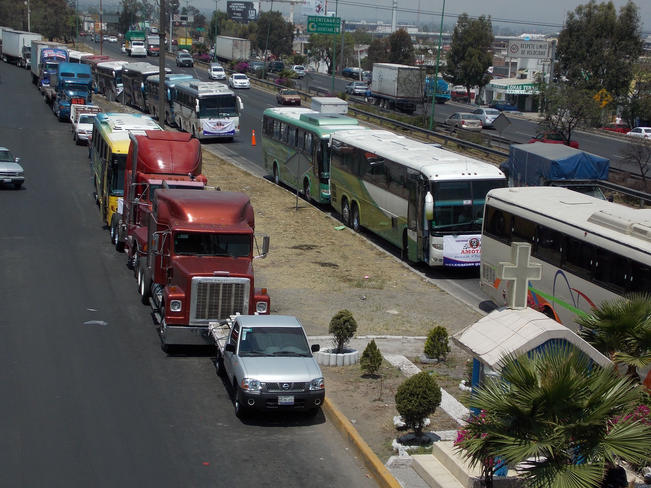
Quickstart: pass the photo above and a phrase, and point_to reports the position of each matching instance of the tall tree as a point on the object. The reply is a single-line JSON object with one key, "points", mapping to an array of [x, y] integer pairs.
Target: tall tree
{"points": [[621, 329], [129, 14], [636, 103], [401, 49], [279, 32], [566, 107], [559, 417], [378, 51], [597, 48], [320, 47], [469, 57], [51, 18]]}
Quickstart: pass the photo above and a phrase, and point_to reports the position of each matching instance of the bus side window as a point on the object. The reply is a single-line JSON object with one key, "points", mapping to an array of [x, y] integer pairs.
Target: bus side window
{"points": [[549, 245], [612, 271], [291, 136], [498, 224], [523, 230], [640, 278], [300, 138], [295, 138], [277, 130], [308, 143], [578, 257]]}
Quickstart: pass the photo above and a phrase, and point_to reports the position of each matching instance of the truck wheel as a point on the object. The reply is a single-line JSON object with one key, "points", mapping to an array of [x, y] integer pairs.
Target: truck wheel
{"points": [[143, 286], [240, 410], [306, 191], [219, 366], [115, 238]]}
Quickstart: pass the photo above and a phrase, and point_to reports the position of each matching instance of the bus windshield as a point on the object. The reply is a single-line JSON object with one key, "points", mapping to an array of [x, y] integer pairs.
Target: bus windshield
{"points": [[206, 244], [459, 205], [218, 106]]}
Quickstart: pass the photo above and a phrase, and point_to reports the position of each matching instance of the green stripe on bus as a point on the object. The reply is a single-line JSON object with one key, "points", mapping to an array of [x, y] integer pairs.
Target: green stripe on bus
{"points": [[552, 299]]}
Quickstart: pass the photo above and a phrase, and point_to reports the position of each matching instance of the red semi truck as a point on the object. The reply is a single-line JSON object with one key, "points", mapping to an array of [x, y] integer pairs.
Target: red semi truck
{"points": [[155, 159], [198, 265]]}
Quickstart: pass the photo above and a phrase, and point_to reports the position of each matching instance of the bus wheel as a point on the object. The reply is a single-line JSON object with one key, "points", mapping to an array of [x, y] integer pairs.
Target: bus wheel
{"points": [[354, 222], [306, 191], [276, 177], [345, 212], [404, 252]]}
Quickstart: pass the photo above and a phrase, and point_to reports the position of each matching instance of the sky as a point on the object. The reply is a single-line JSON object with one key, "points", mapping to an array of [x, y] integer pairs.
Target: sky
{"points": [[514, 12]]}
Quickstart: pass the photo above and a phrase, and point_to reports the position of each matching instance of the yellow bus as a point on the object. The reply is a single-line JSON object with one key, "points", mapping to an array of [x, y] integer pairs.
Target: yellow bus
{"points": [[108, 156]]}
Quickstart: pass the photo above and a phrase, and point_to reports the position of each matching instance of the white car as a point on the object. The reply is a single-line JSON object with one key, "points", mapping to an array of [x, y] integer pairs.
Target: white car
{"points": [[83, 128], [216, 72], [239, 80], [112, 39], [138, 48], [487, 116], [299, 69], [11, 172], [640, 132]]}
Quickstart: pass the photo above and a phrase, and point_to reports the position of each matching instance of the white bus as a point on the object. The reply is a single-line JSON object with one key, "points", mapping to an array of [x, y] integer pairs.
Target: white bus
{"points": [[109, 79], [590, 249], [206, 109], [425, 200]]}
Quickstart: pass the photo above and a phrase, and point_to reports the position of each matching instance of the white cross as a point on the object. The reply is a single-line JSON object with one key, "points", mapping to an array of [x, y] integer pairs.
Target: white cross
{"points": [[519, 271]]}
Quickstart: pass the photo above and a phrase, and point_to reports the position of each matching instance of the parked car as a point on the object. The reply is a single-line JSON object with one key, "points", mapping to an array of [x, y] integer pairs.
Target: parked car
{"points": [[255, 66], [351, 72], [641, 132], [112, 39], [621, 127], [276, 66], [216, 72], [552, 137], [464, 120], [138, 49], [504, 107], [11, 172], [183, 59], [299, 69], [287, 96], [356, 88], [239, 80], [487, 115]]}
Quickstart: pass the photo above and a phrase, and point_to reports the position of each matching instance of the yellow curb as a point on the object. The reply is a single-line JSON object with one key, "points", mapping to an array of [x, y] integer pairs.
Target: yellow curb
{"points": [[381, 474]]}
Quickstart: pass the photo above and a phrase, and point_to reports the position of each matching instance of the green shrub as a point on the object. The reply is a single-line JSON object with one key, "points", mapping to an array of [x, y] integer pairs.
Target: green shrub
{"points": [[416, 399], [343, 327], [436, 345], [371, 359]]}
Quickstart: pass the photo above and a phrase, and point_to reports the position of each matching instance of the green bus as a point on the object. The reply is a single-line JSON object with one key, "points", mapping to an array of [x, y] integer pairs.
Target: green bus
{"points": [[295, 147]]}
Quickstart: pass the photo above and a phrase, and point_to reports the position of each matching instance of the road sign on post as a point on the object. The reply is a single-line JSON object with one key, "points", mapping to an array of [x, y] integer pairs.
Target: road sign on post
{"points": [[323, 25]]}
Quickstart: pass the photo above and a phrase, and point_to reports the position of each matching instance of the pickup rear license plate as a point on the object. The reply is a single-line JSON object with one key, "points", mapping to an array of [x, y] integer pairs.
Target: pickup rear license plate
{"points": [[79, 101], [286, 400]]}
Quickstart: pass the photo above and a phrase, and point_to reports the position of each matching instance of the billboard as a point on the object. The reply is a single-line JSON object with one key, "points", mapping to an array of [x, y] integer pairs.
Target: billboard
{"points": [[528, 49], [242, 11], [315, 7]]}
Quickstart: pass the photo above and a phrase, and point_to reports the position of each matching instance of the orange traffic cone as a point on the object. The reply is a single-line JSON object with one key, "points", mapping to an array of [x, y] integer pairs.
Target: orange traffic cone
{"points": [[253, 137]]}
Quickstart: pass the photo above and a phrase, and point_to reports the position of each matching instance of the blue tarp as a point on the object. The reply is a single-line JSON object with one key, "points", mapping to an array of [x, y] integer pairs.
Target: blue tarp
{"points": [[539, 163]]}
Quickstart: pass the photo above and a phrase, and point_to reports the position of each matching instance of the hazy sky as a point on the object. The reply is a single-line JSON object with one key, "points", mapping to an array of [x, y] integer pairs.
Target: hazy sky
{"points": [[537, 11]]}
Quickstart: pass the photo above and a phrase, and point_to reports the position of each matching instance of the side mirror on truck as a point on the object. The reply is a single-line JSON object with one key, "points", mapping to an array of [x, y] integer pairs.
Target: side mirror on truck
{"points": [[265, 246]]}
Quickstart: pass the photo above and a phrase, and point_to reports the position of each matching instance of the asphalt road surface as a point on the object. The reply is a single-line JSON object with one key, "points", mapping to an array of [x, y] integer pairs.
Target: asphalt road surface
{"points": [[88, 397]]}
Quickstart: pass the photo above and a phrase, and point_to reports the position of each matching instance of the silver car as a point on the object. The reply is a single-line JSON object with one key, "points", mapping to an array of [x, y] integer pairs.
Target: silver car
{"points": [[487, 116], [269, 363], [463, 120], [11, 172]]}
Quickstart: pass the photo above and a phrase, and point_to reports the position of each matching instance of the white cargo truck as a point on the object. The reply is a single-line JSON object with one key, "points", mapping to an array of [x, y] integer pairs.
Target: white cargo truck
{"points": [[16, 46], [397, 86], [232, 48]]}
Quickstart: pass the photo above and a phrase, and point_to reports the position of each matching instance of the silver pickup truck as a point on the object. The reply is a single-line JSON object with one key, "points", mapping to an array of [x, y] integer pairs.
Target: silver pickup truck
{"points": [[269, 363]]}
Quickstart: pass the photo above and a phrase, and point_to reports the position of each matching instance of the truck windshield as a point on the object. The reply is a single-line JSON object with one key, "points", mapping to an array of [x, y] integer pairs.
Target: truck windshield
{"points": [[207, 244], [218, 106], [459, 205], [273, 341]]}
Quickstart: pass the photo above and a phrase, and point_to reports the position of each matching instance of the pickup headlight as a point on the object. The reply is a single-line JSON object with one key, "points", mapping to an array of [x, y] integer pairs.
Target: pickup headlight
{"points": [[317, 384], [175, 305], [251, 385], [261, 307]]}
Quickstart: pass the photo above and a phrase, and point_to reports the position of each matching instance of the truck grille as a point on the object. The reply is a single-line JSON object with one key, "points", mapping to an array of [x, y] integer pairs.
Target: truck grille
{"points": [[217, 298], [280, 387]]}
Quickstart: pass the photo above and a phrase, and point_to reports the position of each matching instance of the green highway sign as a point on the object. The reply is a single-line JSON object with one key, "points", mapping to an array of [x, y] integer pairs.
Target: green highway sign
{"points": [[323, 25]]}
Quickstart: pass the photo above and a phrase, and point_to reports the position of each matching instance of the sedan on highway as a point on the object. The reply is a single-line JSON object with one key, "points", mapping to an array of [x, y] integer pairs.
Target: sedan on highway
{"points": [[487, 116], [239, 80], [287, 96], [552, 137], [356, 88], [620, 128], [640, 132], [184, 59], [11, 172], [463, 120], [216, 72]]}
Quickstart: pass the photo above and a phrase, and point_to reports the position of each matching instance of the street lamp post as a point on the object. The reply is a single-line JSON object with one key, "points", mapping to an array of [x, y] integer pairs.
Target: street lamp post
{"points": [[436, 75], [266, 44], [334, 53], [29, 20]]}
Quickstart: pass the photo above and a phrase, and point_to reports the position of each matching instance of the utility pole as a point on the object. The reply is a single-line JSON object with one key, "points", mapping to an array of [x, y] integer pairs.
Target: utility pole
{"points": [[436, 74], [29, 20], [343, 26], [216, 31], [334, 53], [266, 44], [101, 30], [162, 91]]}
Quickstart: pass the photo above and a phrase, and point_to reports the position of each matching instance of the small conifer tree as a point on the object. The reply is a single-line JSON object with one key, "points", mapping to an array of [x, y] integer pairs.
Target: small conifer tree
{"points": [[371, 359], [436, 344], [343, 327], [416, 399]]}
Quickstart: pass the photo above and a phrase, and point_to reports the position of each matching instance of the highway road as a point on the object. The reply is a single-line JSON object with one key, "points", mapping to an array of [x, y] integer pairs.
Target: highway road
{"points": [[89, 399]]}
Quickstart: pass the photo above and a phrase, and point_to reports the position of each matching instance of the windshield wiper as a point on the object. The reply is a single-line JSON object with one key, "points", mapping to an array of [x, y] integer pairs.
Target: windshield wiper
{"points": [[252, 353], [291, 353]]}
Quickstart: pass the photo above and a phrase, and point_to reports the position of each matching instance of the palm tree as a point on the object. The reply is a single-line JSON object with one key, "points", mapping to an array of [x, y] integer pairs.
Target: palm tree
{"points": [[621, 329], [557, 416]]}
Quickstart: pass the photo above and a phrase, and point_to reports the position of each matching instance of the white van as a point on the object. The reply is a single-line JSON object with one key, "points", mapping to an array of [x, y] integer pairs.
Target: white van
{"points": [[216, 72]]}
